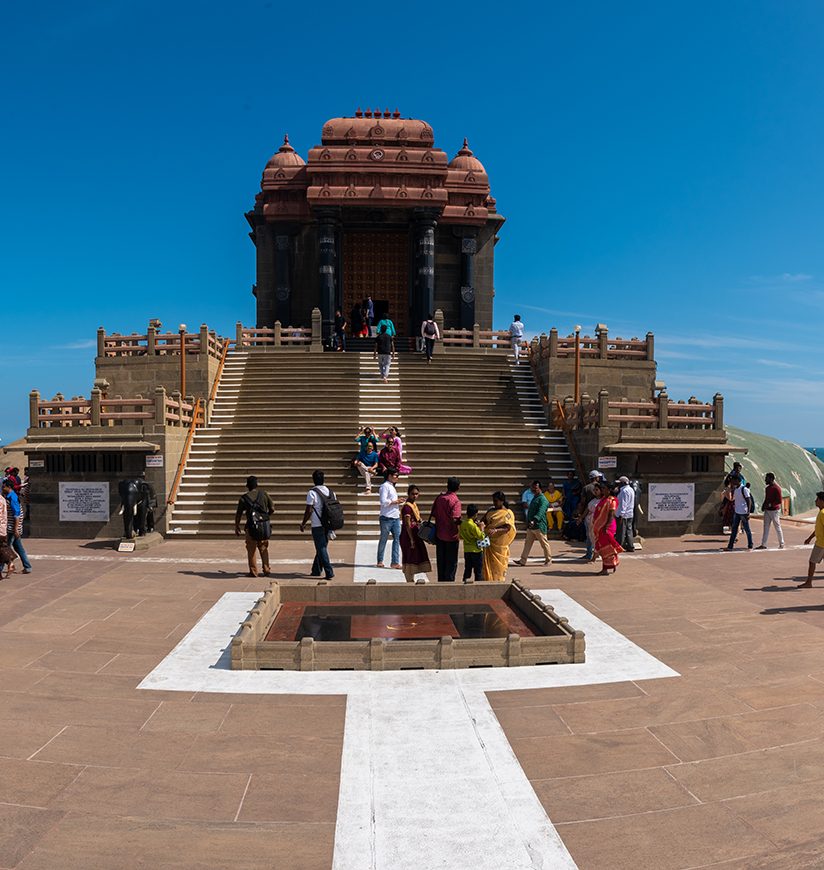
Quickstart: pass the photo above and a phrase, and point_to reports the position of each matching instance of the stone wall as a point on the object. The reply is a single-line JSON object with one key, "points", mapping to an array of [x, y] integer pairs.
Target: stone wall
{"points": [[133, 448]]}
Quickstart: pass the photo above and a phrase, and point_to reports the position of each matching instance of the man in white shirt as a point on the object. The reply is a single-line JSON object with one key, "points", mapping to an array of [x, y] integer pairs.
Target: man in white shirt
{"points": [[390, 519], [516, 335], [742, 499], [320, 536], [624, 514]]}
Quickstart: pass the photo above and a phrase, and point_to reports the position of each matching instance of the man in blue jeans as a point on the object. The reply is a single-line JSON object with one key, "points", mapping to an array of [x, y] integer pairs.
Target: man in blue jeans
{"points": [[390, 518], [15, 529], [320, 536], [742, 498]]}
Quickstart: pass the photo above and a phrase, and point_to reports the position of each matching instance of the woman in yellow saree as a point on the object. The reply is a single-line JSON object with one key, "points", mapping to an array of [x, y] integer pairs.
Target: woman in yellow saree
{"points": [[499, 525], [603, 531]]}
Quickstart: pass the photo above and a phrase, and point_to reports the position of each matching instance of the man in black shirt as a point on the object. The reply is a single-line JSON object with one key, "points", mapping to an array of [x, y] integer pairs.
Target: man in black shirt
{"points": [[257, 500], [339, 342], [384, 349]]}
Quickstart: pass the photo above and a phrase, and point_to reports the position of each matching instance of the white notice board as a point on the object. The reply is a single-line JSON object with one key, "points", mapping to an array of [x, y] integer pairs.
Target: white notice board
{"points": [[671, 501], [84, 502]]}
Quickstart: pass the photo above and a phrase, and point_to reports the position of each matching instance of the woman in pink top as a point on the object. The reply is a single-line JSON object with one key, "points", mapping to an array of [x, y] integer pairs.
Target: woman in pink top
{"points": [[394, 432]]}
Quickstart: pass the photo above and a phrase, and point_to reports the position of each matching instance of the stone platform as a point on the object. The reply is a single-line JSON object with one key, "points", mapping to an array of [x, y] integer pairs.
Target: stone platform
{"points": [[720, 766]]}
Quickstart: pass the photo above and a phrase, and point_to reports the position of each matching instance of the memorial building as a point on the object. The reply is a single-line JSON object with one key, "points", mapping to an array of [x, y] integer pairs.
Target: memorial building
{"points": [[375, 210]]}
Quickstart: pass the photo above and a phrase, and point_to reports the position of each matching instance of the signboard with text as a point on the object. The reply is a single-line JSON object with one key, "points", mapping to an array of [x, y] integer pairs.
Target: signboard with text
{"points": [[607, 462], [154, 460], [671, 501], [84, 502]]}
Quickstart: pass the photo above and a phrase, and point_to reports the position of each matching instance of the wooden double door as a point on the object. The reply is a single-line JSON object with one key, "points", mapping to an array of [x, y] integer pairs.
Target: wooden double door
{"points": [[376, 264]]}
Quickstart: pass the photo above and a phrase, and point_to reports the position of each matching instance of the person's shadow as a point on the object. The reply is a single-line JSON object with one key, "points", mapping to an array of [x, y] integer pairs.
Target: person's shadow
{"points": [[802, 608], [775, 588]]}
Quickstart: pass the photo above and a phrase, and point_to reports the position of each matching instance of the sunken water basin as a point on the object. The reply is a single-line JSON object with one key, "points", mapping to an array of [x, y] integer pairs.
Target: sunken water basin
{"points": [[390, 627]]}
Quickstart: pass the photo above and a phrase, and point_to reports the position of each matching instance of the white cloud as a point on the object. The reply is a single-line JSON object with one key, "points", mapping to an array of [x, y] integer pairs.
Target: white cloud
{"points": [[82, 344]]}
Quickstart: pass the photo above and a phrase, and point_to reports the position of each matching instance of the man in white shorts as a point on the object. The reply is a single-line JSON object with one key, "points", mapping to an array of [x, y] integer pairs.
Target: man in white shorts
{"points": [[516, 335]]}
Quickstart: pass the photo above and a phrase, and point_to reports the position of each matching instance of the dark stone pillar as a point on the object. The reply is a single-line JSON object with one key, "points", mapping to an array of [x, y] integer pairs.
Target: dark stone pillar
{"points": [[424, 301], [264, 288], [469, 246], [283, 279], [328, 221]]}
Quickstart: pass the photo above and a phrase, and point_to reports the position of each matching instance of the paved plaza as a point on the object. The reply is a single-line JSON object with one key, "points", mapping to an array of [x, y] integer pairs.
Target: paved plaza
{"points": [[719, 764]]}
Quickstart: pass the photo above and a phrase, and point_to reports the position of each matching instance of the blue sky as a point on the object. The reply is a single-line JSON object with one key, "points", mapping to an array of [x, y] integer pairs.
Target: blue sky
{"points": [[659, 165]]}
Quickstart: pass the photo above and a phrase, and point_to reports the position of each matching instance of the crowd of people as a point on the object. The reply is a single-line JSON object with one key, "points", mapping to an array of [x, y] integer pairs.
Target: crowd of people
{"points": [[13, 506]]}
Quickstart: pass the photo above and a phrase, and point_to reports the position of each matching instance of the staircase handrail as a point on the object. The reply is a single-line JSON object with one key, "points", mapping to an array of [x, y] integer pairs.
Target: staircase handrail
{"points": [[218, 373], [566, 429], [196, 420]]}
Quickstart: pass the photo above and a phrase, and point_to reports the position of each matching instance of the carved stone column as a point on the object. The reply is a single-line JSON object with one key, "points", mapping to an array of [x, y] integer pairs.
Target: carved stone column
{"points": [[469, 247], [328, 221], [283, 279], [424, 301]]}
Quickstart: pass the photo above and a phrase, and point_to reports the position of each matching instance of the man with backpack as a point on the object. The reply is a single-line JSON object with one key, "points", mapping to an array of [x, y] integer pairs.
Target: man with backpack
{"points": [[430, 334], [325, 514], [257, 506], [744, 506]]}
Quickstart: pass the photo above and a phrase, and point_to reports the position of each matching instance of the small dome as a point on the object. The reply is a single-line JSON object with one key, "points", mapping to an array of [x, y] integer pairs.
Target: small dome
{"points": [[285, 156], [466, 160]]}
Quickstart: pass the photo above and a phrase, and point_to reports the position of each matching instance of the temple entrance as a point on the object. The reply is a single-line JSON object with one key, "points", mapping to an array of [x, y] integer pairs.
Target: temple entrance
{"points": [[377, 264]]}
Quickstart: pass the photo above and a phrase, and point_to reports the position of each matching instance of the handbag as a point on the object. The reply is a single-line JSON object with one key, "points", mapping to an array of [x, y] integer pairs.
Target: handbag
{"points": [[426, 532], [484, 542]]}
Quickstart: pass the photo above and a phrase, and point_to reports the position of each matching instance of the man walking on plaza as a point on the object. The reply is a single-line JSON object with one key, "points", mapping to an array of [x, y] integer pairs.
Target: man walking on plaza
{"points": [[536, 524], [742, 502], [390, 519], [818, 548], [446, 513], [313, 515], [384, 348], [15, 524], [772, 512], [516, 335], [257, 506], [625, 513]]}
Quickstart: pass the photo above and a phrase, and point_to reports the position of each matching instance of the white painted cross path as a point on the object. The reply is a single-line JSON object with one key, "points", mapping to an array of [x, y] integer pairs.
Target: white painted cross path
{"points": [[428, 778]]}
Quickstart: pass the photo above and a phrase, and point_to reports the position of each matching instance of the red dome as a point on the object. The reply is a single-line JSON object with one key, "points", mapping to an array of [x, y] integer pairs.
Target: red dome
{"points": [[285, 156], [466, 160]]}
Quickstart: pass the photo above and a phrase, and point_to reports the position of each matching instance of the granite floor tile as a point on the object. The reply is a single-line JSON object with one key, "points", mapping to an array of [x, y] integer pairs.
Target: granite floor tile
{"points": [[188, 718], [667, 840], [751, 772], [578, 755], [291, 797], [154, 794], [21, 829], [562, 695], [263, 721], [82, 842], [572, 799], [728, 735], [530, 722], [34, 783]]}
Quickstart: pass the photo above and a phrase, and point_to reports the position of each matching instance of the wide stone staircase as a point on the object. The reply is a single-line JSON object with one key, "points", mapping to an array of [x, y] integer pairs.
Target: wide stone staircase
{"points": [[279, 415]]}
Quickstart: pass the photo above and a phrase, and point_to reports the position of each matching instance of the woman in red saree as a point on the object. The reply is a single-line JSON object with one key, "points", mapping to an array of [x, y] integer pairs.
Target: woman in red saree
{"points": [[603, 531]]}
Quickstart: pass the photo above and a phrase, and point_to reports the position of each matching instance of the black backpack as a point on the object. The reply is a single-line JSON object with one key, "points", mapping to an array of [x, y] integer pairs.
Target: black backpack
{"points": [[429, 329], [257, 520], [331, 511]]}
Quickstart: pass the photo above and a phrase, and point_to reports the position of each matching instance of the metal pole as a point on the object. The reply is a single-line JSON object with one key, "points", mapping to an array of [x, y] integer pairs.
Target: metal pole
{"points": [[182, 359], [577, 365]]}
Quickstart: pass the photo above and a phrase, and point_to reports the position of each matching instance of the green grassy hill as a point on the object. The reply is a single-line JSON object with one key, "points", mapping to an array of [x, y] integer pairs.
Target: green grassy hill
{"points": [[798, 472]]}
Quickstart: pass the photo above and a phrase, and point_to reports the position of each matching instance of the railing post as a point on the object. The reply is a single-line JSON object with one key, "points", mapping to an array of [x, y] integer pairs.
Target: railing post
{"points": [[650, 346], [663, 410], [160, 406], [238, 336], [569, 412], [95, 406], [439, 321], [553, 342], [34, 409], [101, 341], [204, 339], [177, 398], [476, 335], [151, 340], [278, 333], [718, 411], [603, 408], [603, 334], [317, 331]]}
